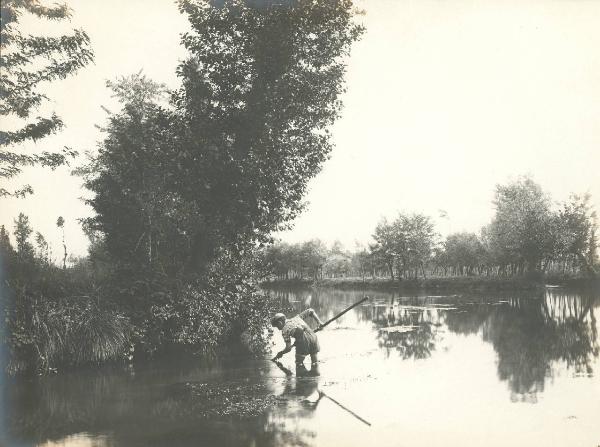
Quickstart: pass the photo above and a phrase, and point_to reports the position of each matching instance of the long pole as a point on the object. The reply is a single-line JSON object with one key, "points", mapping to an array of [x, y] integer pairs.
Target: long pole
{"points": [[342, 313], [347, 409]]}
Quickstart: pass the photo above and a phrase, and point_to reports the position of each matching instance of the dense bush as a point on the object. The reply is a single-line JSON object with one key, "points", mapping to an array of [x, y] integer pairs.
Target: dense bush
{"points": [[204, 319], [222, 308], [55, 318]]}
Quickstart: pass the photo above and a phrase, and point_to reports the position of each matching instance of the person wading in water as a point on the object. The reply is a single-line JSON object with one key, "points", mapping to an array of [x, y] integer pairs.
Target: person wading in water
{"points": [[306, 341]]}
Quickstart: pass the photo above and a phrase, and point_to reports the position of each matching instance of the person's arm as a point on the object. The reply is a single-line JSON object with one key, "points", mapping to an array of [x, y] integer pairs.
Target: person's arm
{"points": [[286, 371], [310, 311], [288, 348]]}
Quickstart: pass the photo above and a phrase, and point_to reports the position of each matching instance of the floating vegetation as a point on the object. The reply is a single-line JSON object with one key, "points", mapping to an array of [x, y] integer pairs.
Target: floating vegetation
{"points": [[442, 296], [399, 329], [227, 399], [430, 307]]}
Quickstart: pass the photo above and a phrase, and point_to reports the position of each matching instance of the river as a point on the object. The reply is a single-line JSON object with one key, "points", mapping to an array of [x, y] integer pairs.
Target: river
{"points": [[473, 370]]}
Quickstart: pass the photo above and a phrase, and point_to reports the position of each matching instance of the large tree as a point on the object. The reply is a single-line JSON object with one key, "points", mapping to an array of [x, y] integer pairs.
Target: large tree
{"points": [[576, 232], [523, 224], [140, 218], [28, 62], [260, 89], [230, 161], [405, 244], [384, 251]]}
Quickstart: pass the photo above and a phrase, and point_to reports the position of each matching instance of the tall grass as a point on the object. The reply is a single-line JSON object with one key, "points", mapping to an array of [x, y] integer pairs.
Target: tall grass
{"points": [[48, 335], [99, 336]]}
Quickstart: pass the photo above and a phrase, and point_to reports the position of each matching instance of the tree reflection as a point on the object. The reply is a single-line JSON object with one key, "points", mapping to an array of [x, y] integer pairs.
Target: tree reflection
{"points": [[469, 318], [417, 344], [408, 327], [529, 335], [532, 335]]}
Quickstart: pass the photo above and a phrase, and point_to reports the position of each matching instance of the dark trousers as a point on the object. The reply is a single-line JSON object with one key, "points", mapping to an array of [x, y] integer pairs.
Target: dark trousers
{"points": [[300, 358]]}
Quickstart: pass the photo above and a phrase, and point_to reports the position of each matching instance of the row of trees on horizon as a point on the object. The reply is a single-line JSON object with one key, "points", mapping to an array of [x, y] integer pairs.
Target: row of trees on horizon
{"points": [[527, 236]]}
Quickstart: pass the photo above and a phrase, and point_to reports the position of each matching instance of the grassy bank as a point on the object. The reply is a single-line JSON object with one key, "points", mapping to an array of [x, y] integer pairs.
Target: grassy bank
{"points": [[447, 284]]}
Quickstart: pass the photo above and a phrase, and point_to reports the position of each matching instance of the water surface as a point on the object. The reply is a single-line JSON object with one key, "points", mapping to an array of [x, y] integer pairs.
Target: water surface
{"points": [[397, 371]]}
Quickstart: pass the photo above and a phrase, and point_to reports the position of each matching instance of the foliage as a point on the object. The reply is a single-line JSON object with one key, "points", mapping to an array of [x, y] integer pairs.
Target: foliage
{"points": [[406, 243], [22, 232], [464, 251], [203, 316], [137, 217], [525, 237], [6, 248], [228, 162], [313, 256], [55, 317], [43, 252], [185, 184], [310, 259], [576, 232], [45, 334], [384, 248], [259, 91], [27, 62], [522, 226], [361, 262]]}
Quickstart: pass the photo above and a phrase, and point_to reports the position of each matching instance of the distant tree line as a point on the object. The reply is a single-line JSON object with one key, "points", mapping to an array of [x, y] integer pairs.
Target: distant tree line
{"points": [[309, 260], [527, 236]]}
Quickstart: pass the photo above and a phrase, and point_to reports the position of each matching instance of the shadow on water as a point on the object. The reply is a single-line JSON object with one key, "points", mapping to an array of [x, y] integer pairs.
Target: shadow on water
{"points": [[172, 406], [244, 402]]}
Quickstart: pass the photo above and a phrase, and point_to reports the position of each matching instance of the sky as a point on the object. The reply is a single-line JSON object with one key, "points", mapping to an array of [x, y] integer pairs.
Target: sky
{"points": [[444, 100]]}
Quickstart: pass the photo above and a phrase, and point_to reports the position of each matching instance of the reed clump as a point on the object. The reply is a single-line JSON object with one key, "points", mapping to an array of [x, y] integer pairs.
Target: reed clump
{"points": [[47, 335]]}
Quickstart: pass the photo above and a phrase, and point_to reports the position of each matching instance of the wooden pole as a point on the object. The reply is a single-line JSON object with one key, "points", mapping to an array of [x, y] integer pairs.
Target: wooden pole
{"points": [[342, 313]]}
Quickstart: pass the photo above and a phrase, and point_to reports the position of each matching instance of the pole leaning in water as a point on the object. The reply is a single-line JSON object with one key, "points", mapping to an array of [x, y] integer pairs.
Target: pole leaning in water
{"points": [[343, 407], [342, 313]]}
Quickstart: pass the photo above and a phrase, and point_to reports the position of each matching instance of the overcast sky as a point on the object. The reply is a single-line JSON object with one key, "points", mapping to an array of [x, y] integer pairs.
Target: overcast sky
{"points": [[444, 100]]}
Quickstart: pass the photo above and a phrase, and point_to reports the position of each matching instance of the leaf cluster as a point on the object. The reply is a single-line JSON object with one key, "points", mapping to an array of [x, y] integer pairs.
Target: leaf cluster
{"points": [[27, 63]]}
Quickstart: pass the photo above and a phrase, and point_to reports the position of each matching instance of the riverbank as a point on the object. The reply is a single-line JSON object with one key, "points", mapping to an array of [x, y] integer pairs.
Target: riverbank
{"points": [[371, 362], [449, 284]]}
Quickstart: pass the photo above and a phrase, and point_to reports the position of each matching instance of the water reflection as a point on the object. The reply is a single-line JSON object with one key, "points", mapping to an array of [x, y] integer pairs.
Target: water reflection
{"points": [[528, 334], [303, 389], [174, 406], [415, 343], [242, 402]]}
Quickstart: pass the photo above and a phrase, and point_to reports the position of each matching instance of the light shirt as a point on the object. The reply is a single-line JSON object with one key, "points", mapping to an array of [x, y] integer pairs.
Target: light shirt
{"points": [[295, 326]]}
